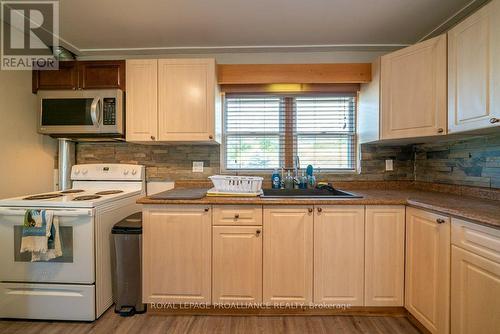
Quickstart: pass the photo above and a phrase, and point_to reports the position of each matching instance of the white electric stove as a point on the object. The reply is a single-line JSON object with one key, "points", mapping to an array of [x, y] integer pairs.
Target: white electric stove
{"points": [[77, 285]]}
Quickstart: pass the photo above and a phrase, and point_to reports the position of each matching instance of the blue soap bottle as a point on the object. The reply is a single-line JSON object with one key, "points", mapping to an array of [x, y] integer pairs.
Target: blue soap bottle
{"points": [[276, 179]]}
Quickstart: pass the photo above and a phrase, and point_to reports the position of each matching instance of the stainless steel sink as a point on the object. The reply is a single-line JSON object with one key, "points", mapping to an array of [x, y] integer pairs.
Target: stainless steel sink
{"points": [[308, 193]]}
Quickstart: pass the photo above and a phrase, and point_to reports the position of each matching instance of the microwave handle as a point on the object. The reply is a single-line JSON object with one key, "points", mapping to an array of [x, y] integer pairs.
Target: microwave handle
{"points": [[95, 111]]}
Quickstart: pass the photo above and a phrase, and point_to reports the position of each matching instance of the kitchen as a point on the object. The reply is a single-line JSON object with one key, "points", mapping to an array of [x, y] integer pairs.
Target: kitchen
{"points": [[338, 171]]}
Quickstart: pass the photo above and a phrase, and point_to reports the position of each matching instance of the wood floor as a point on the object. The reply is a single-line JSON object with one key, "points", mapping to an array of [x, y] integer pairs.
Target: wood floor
{"points": [[154, 323]]}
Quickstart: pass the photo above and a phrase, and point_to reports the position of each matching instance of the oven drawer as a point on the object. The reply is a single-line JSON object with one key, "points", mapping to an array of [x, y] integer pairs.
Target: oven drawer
{"points": [[47, 301], [76, 265]]}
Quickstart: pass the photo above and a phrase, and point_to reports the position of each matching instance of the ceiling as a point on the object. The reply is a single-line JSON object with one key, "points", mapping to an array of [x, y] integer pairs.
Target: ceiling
{"points": [[128, 25]]}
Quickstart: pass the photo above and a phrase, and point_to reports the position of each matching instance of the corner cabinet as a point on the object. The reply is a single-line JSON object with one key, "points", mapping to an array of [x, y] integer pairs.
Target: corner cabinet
{"points": [[177, 254], [339, 255], [288, 255], [427, 290], [413, 91], [179, 99], [474, 71]]}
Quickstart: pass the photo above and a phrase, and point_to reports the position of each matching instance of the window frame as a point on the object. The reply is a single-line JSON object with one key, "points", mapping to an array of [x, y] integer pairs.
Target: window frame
{"points": [[287, 160]]}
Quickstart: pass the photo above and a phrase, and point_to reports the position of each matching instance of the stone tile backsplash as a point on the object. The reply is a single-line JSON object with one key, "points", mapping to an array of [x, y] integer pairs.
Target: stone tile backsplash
{"points": [[174, 162], [472, 161]]}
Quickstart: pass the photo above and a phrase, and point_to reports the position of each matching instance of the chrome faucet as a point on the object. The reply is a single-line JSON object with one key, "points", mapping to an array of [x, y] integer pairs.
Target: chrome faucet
{"points": [[296, 166]]}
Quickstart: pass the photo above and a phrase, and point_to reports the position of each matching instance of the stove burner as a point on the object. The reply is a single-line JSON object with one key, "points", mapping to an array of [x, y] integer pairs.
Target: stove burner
{"points": [[109, 192], [72, 191], [86, 197], [43, 196]]}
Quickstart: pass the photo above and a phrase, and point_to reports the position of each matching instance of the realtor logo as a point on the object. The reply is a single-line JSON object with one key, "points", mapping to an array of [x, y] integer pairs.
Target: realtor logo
{"points": [[30, 31]]}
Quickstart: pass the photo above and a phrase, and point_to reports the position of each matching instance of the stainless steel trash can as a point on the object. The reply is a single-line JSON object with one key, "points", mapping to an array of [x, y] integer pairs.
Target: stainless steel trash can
{"points": [[127, 282]]}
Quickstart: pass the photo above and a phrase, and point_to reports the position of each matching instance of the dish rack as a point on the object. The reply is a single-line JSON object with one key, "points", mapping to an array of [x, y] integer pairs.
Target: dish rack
{"points": [[237, 184]]}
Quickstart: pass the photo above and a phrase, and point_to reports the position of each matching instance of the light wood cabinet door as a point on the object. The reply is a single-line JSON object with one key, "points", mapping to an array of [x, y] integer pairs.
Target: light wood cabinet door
{"points": [[413, 91], [186, 99], [177, 254], [474, 71], [339, 255], [237, 264], [475, 293], [288, 254], [427, 295], [384, 255], [141, 100]]}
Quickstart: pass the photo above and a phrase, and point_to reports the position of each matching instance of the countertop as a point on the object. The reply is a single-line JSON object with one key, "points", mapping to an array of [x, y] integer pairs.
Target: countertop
{"points": [[482, 211]]}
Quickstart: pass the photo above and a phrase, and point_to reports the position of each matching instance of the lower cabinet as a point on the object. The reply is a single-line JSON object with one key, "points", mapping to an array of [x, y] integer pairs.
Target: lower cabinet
{"points": [[339, 255], [237, 264], [177, 254], [475, 278], [384, 255], [288, 254], [427, 288]]}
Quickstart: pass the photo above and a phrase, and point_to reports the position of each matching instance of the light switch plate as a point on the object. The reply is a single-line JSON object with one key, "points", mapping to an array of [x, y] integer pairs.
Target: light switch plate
{"points": [[389, 165], [197, 166]]}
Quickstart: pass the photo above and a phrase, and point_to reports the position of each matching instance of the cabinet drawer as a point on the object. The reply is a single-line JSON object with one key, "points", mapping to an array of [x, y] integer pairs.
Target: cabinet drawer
{"points": [[237, 215], [478, 239]]}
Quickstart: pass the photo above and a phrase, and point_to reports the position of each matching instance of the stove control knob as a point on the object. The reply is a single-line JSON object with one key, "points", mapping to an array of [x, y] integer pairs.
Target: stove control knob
{"points": [[125, 172], [134, 171], [84, 172], [77, 171]]}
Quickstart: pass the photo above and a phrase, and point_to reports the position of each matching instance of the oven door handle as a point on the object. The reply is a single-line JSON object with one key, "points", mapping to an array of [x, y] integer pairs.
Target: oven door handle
{"points": [[58, 213], [95, 111]]}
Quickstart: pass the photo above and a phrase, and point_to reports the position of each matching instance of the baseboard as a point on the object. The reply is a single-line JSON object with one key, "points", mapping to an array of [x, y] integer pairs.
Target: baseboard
{"points": [[277, 311], [417, 323]]}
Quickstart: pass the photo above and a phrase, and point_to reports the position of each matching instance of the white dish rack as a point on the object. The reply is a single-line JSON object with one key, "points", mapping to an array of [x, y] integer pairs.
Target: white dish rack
{"points": [[237, 184]]}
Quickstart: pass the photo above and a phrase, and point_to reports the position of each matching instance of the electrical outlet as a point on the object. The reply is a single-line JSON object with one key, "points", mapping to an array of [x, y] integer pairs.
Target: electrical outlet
{"points": [[197, 166], [389, 165]]}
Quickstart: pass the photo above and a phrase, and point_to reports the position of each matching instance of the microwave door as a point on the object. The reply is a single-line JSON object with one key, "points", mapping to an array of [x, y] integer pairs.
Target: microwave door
{"points": [[70, 115]]}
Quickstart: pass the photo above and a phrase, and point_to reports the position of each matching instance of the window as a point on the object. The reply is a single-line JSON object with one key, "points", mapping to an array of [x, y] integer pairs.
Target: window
{"points": [[268, 131]]}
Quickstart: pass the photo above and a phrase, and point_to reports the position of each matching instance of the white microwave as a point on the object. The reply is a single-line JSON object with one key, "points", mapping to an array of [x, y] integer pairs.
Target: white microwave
{"points": [[81, 113]]}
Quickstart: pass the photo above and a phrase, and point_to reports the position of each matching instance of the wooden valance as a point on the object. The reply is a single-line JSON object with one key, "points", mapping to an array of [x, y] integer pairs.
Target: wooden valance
{"points": [[236, 74]]}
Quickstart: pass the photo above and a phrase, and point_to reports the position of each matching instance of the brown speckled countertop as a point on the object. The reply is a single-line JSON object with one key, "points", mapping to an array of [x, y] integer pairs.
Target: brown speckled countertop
{"points": [[482, 211]]}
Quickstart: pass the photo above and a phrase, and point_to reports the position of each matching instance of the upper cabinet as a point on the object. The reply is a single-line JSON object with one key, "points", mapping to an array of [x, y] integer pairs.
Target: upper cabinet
{"points": [[141, 100], [179, 99], [474, 71], [407, 95], [105, 74], [413, 91]]}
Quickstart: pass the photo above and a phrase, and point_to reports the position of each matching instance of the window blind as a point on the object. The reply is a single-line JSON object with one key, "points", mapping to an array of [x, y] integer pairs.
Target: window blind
{"points": [[268, 131]]}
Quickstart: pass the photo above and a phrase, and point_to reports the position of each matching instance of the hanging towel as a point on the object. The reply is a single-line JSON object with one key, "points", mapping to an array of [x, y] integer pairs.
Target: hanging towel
{"points": [[41, 235]]}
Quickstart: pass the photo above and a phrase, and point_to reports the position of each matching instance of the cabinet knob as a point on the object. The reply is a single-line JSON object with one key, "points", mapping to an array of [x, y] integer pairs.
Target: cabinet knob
{"points": [[440, 130], [153, 138], [236, 216], [494, 120], [310, 210], [440, 221], [210, 137], [257, 233], [320, 209], [207, 209]]}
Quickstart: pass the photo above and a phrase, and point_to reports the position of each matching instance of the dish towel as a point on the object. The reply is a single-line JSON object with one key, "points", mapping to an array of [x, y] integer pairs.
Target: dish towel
{"points": [[41, 235]]}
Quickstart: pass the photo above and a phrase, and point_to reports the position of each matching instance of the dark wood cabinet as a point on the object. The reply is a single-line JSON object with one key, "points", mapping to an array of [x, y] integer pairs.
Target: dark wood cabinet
{"points": [[66, 77], [100, 74]]}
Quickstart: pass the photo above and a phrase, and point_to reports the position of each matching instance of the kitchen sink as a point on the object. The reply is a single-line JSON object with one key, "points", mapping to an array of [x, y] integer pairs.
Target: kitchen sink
{"points": [[308, 193]]}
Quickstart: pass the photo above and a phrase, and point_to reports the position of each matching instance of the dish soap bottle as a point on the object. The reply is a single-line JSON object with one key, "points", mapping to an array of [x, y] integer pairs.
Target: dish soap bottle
{"points": [[289, 182], [276, 179]]}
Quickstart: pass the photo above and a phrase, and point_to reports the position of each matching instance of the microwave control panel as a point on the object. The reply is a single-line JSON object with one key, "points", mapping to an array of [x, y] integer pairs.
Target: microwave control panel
{"points": [[109, 111]]}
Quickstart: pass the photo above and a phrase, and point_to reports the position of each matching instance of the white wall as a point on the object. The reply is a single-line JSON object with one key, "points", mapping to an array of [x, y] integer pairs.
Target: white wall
{"points": [[27, 158]]}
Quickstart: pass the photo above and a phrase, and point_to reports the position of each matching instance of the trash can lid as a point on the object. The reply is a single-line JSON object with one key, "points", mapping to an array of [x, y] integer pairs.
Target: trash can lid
{"points": [[130, 225]]}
